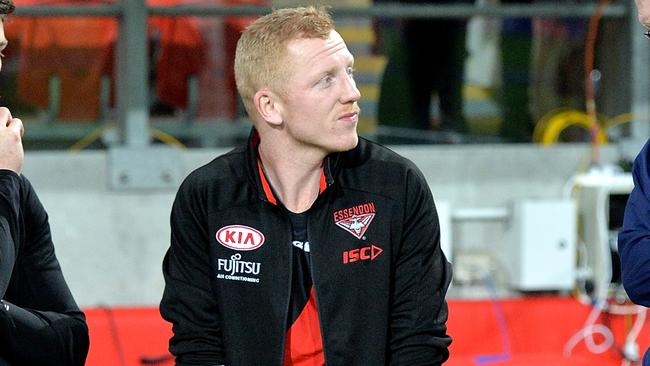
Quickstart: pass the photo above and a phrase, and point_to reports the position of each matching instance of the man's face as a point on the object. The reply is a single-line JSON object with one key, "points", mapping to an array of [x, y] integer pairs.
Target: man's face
{"points": [[643, 7], [3, 40], [319, 103]]}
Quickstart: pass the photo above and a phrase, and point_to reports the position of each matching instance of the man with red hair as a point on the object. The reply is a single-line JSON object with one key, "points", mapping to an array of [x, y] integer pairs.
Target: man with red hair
{"points": [[309, 245]]}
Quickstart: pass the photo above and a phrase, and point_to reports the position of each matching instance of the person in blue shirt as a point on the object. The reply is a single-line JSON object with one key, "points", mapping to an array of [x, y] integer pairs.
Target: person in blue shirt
{"points": [[634, 236]]}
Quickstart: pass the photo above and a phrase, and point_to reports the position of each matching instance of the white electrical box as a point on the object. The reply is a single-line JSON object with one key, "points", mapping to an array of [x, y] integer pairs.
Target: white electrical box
{"points": [[539, 250]]}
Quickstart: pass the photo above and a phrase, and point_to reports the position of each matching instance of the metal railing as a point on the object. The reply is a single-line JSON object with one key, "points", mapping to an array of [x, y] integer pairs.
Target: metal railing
{"points": [[132, 60]]}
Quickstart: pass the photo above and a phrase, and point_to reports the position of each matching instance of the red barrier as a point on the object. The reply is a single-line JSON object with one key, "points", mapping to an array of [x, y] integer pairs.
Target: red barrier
{"points": [[536, 331], [513, 332], [123, 336]]}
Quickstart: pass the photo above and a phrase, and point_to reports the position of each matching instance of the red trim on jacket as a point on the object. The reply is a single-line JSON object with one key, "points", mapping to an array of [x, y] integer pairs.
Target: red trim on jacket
{"points": [[267, 187], [323, 181], [304, 344], [265, 184]]}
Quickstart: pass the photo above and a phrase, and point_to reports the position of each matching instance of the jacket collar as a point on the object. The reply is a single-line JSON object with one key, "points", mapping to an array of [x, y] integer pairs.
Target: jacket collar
{"points": [[256, 173]]}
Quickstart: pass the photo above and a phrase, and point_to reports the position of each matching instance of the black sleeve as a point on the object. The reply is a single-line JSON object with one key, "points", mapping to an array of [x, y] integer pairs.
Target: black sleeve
{"points": [[38, 310], [422, 276], [9, 230], [188, 302]]}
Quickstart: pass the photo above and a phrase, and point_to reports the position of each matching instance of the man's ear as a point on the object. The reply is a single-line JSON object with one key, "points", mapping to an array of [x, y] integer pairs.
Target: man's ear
{"points": [[268, 106]]}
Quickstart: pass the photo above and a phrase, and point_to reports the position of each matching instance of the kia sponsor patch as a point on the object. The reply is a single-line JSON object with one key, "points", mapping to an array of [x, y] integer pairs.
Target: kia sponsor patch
{"points": [[240, 237]]}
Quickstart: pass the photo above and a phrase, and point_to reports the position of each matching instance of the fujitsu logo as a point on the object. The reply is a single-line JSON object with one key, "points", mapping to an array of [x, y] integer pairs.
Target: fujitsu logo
{"points": [[355, 220], [239, 237], [235, 265], [361, 254], [235, 269]]}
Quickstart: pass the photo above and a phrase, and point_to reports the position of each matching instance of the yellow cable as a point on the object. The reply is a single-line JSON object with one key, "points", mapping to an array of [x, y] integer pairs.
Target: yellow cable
{"points": [[542, 123], [561, 121], [98, 132], [621, 118], [625, 118], [551, 125], [167, 138], [89, 139]]}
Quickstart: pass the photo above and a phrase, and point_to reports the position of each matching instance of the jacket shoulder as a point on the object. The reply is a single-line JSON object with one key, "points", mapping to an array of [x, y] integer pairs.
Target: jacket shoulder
{"points": [[229, 166], [374, 167], [222, 183], [375, 155]]}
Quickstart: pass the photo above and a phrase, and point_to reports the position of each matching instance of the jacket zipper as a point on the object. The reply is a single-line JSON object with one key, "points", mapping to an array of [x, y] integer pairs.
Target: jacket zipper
{"points": [[313, 283], [288, 297]]}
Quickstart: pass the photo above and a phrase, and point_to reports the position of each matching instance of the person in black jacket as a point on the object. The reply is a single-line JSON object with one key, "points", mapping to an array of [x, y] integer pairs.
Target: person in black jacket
{"points": [[309, 245], [40, 323]]}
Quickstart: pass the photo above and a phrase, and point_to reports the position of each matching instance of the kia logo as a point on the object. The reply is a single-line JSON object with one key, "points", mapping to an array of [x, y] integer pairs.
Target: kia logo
{"points": [[239, 237]]}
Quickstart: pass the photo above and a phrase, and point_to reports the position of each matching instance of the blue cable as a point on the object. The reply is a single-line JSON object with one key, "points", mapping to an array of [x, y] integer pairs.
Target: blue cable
{"points": [[503, 328]]}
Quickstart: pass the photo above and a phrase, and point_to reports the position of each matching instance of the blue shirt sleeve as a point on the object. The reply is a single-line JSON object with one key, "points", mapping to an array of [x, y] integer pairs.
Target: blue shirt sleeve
{"points": [[634, 236]]}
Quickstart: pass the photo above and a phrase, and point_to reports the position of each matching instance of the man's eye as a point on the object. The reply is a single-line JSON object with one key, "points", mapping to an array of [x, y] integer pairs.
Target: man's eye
{"points": [[351, 71], [328, 79]]}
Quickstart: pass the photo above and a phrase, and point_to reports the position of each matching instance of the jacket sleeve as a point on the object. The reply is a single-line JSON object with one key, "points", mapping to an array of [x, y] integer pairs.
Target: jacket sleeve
{"points": [[634, 236], [422, 276], [9, 218], [38, 310], [188, 302]]}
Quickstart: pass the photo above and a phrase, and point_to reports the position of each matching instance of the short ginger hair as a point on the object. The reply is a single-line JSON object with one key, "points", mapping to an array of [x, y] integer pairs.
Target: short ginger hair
{"points": [[261, 56]]}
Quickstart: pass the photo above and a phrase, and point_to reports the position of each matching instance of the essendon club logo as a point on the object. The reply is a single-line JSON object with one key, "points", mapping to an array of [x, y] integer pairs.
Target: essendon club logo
{"points": [[240, 237], [355, 220], [361, 254]]}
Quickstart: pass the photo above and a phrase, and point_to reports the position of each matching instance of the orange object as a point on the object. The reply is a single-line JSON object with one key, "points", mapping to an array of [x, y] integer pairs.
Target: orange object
{"points": [[79, 50], [181, 54]]}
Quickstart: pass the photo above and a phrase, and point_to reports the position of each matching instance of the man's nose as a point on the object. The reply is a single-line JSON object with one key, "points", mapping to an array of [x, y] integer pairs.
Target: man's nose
{"points": [[350, 93]]}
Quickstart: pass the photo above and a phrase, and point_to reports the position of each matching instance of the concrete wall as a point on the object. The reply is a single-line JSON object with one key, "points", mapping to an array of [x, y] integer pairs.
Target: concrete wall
{"points": [[111, 244]]}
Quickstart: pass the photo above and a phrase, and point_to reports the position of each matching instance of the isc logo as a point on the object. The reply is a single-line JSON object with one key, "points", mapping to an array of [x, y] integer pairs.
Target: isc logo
{"points": [[239, 237], [361, 254]]}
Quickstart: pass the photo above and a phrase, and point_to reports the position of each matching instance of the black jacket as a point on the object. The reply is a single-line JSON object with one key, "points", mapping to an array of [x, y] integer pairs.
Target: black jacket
{"points": [[40, 323], [380, 292]]}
